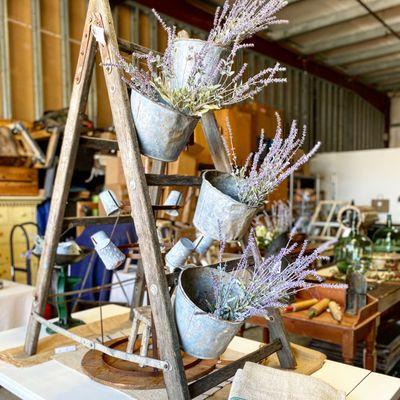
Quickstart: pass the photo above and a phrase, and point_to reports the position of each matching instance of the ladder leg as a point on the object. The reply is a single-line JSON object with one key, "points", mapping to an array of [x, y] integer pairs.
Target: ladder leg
{"points": [[277, 331], [61, 187], [174, 377], [215, 143], [158, 167]]}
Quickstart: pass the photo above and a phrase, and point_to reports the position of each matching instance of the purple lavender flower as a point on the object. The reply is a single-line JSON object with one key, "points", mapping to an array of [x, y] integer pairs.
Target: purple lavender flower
{"points": [[259, 177], [251, 290]]}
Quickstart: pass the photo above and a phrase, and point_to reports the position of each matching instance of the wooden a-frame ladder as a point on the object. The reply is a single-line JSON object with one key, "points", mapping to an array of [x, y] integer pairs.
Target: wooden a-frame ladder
{"points": [[99, 14]]}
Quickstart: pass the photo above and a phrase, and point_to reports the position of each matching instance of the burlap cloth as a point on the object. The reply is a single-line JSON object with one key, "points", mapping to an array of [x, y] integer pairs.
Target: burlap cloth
{"points": [[258, 382]]}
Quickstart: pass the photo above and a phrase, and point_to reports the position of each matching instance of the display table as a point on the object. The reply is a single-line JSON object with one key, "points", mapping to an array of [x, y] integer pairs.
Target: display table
{"points": [[58, 382], [15, 304]]}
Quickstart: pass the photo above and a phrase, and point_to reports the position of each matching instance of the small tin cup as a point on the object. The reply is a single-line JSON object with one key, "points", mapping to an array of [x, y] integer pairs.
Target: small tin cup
{"points": [[202, 244], [173, 199], [110, 202], [178, 255], [108, 252]]}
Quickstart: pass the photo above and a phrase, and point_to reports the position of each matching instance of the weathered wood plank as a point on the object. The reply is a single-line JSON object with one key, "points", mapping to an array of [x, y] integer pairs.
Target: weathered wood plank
{"points": [[104, 220], [172, 180], [62, 183], [129, 47], [277, 331], [215, 143], [98, 143], [221, 375], [161, 307]]}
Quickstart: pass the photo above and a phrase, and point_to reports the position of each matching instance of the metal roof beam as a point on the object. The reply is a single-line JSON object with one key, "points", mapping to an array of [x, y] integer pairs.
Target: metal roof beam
{"points": [[389, 88], [346, 40], [345, 15], [363, 55], [376, 80], [373, 66]]}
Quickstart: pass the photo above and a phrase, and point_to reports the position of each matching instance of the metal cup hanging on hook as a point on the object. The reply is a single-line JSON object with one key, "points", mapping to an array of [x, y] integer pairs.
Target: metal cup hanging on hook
{"points": [[173, 199], [108, 252], [110, 202], [202, 244], [178, 255]]}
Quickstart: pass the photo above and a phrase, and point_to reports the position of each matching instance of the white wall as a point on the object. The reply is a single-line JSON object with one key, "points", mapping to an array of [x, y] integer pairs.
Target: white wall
{"points": [[361, 175]]}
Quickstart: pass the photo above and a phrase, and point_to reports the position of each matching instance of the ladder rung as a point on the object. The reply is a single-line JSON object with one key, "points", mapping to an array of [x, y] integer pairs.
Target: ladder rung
{"points": [[222, 374], [99, 143], [172, 180], [71, 222], [129, 47], [152, 179]]}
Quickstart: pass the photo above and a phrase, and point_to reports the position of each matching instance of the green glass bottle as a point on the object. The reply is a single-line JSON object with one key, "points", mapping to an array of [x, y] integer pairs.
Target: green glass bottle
{"points": [[353, 251], [387, 238]]}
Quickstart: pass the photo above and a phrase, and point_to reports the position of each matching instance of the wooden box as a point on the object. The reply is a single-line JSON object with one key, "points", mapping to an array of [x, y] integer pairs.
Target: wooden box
{"points": [[18, 181]]}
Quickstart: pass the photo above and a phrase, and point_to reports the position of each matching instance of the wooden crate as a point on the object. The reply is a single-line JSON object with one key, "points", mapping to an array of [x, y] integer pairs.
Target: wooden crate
{"points": [[18, 181]]}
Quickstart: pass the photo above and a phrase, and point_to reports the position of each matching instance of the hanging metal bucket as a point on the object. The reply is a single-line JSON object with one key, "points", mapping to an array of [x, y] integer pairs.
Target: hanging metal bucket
{"points": [[178, 255], [219, 209], [162, 132], [110, 202], [201, 334], [183, 61], [108, 252], [202, 244], [174, 198]]}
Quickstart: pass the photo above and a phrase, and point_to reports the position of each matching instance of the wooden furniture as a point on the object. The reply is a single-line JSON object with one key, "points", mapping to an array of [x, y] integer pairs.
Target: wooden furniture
{"points": [[352, 329], [16, 210], [357, 383], [18, 181], [99, 15]]}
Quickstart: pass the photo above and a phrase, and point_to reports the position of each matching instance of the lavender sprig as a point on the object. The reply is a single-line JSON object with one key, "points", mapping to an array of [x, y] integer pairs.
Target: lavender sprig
{"points": [[259, 177], [206, 89], [237, 299], [243, 18]]}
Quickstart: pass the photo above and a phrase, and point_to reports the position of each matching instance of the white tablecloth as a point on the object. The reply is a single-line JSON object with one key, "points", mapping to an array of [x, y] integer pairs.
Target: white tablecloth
{"points": [[15, 305]]}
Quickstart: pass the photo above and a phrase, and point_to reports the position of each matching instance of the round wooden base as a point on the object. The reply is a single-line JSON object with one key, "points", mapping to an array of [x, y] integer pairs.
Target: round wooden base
{"points": [[127, 375]]}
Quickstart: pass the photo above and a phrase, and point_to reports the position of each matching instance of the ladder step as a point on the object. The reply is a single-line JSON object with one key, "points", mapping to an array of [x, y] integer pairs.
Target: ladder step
{"points": [[72, 222], [172, 180], [129, 47], [98, 143]]}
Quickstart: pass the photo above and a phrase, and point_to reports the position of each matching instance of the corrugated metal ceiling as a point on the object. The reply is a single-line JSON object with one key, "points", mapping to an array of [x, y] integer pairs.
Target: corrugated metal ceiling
{"points": [[344, 35]]}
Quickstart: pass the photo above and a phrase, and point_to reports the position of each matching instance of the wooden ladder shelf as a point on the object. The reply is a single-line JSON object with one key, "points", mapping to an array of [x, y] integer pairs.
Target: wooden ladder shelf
{"points": [[141, 200]]}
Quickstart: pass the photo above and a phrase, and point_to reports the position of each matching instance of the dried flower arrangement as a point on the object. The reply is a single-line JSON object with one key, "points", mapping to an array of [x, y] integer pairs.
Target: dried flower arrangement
{"points": [[260, 176], [250, 291], [236, 22], [207, 89], [269, 226]]}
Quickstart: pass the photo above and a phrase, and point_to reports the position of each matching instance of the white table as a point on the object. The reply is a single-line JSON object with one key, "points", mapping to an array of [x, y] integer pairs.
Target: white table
{"points": [[15, 304], [58, 382]]}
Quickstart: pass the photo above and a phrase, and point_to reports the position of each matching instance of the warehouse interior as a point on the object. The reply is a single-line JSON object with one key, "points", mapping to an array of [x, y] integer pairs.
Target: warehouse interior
{"points": [[199, 199]]}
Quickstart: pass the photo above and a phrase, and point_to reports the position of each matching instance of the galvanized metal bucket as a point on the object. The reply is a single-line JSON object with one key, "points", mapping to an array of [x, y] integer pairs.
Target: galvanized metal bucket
{"points": [[219, 209], [178, 255], [201, 334], [183, 61], [202, 244], [162, 132], [110, 202], [108, 252], [174, 198]]}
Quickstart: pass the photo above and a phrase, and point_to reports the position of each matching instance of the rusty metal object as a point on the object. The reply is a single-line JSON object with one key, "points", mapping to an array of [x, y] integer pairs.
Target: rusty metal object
{"points": [[94, 345], [122, 374]]}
